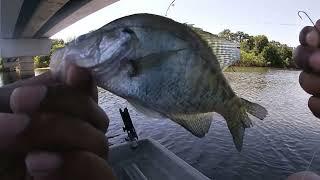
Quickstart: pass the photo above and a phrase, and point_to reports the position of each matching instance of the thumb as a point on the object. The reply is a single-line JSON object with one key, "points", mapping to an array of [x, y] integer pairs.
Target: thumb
{"points": [[81, 79]]}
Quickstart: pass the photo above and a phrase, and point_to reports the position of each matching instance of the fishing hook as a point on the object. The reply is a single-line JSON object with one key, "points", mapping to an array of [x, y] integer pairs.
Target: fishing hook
{"points": [[305, 15], [169, 7]]}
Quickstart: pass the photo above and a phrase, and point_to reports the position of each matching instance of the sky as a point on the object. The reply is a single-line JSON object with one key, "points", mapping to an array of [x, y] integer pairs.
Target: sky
{"points": [[277, 19]]}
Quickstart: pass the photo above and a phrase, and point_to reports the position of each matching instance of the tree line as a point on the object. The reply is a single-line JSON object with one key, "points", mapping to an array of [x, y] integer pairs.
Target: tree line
{"points": [[259, 51], [44, 61], [255, 50]]}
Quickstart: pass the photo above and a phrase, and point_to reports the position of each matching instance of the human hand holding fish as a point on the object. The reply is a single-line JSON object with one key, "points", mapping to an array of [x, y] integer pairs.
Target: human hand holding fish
{"points": [[47, 129]]}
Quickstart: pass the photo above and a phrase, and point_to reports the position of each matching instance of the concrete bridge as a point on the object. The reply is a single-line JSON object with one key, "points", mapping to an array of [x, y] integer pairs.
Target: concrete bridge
{"points": [[26, 25]]}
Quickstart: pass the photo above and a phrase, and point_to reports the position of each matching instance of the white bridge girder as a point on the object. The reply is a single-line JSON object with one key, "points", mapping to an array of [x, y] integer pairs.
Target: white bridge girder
{"points": [[26, 25]]}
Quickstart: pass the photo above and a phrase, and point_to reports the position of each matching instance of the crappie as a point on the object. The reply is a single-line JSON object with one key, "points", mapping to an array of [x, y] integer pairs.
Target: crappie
{"points": [[164, 69]]}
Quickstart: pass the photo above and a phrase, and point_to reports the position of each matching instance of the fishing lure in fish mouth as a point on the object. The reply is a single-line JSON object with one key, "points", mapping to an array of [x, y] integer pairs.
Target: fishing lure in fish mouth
{"points": [[164, 69]]}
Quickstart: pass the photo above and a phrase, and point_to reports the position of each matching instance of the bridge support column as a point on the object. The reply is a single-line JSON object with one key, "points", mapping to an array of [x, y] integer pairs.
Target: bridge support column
{"points": [[26, 67], [24, 50]]}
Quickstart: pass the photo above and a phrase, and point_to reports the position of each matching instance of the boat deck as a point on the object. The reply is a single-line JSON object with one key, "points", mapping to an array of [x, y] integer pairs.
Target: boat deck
{"points": [[150, 160]]}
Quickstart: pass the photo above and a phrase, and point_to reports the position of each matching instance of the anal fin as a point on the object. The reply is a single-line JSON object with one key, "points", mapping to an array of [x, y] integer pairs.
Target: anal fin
{"points": [[197, 124]]}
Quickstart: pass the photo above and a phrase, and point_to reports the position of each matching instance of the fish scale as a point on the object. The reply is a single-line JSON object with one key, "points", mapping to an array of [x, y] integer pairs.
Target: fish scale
{"points": [[164, 69]]}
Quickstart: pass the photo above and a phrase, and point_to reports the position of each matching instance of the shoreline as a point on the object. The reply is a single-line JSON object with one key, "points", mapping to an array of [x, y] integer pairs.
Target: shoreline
{"points": [[43, 68]]}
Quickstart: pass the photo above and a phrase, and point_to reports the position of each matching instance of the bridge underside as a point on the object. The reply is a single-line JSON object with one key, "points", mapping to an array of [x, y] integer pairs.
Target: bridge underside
{"points": [[26, 25]]}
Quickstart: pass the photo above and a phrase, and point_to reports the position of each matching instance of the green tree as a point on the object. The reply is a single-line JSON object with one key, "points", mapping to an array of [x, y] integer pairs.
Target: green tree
{"points": [[44, 61], [247, 44], [227, 34], [285, 52], [251, 59], [241, 36], [271, 54], [260, 42]]}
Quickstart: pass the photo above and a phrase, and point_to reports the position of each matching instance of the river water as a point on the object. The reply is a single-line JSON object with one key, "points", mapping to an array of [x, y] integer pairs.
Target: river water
{"points": [[284, 143]]}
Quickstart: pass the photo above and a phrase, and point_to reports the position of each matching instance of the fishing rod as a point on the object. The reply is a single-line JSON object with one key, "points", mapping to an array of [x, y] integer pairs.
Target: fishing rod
{"points": [[170, 5]]}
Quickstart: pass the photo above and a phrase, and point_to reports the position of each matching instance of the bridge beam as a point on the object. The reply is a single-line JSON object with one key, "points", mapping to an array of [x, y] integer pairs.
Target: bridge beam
{"points": [[9, 11], [24, 47], [44, 11], [69, 15]]}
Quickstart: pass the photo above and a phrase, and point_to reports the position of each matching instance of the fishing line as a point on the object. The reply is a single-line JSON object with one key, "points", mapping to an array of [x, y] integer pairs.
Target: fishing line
{"points": [[314, 154], [309, 165]]}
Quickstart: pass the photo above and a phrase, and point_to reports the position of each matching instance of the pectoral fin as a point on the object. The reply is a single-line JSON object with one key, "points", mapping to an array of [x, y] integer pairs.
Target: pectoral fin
{"points": [[144, 110], [150, 61]]}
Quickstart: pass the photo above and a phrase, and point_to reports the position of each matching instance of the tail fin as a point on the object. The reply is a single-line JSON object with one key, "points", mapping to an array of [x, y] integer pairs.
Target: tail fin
{"points": [[255, 109], [238, 121]]}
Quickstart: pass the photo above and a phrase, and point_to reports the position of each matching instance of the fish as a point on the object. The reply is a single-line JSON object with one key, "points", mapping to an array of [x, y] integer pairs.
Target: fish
{"points": [[165, 70]]}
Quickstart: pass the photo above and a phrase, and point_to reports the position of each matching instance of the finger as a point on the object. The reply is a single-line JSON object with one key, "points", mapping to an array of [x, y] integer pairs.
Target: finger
{"points": [[59, 99], [314, 105], [11, 125], [310, 83], [6, 91], [75, 78], [303, 35], [302, 55], [81, 79], [309, 36], [42, 164], [314, 61], [78, 165], [317, 25], [56, 132], [312, 38]]}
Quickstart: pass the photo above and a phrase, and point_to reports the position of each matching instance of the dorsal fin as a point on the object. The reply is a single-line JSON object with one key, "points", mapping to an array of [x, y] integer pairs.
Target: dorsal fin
{"points": [[227, 52]]}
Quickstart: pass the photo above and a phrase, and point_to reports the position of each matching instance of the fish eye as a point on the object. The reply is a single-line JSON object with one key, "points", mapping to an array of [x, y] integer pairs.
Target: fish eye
{"points": [[80, 38], [127, 30]]}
